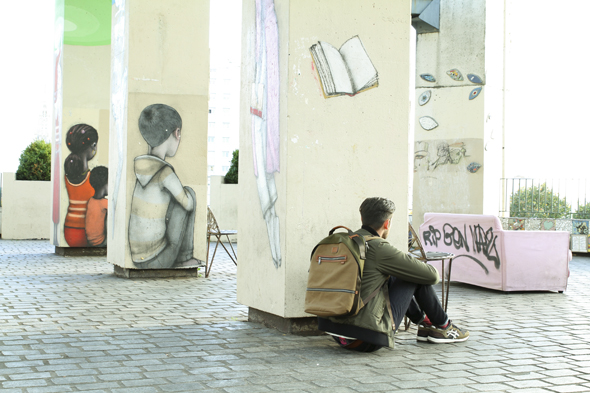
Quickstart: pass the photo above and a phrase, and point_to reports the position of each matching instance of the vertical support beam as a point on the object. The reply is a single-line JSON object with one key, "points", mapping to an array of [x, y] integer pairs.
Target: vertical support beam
{"points": [[158, 165], [81, 97], [307, 161], [458, 159]]}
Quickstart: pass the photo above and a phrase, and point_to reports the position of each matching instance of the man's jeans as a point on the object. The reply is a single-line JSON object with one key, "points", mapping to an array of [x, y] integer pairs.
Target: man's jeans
{"points": [[414, 300]]}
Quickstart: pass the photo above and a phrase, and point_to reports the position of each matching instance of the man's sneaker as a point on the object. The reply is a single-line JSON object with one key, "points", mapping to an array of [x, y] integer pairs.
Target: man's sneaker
{"points": [[450, 334], [424, 332]]}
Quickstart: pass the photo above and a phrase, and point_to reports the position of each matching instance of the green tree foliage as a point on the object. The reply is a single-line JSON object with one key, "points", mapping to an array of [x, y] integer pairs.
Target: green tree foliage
{"points": [[35, 162], [583, 212], [231, 177], [538, 202]]}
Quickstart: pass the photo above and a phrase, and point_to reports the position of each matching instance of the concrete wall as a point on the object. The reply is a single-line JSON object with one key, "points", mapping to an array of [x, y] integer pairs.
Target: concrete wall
{"points": [[160, 55], [26, 208], [469, 131], [84, 84], [334, 152], [224, 203]]}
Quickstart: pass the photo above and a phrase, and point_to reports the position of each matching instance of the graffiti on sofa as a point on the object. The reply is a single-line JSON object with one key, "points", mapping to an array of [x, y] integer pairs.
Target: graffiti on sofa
{"points": [[482, 242]]}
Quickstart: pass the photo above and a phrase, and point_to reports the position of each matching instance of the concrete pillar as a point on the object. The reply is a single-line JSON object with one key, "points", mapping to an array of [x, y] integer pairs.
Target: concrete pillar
{"points": [[459, 129], [307, 161], [158, 157], [81, 110]]}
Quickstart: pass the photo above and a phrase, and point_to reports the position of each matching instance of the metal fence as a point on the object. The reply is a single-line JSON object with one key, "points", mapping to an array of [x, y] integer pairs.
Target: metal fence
{"points": [[544, 198]]}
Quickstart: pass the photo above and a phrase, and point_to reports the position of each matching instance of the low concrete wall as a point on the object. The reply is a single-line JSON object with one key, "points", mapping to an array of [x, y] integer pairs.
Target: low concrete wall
{"points": [[224, 204], [26, 208]]}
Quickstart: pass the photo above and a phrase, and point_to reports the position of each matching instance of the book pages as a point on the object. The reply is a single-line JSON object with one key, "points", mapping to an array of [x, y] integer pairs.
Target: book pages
{"points": [[323, 70], [338, 69], [362, 72]]}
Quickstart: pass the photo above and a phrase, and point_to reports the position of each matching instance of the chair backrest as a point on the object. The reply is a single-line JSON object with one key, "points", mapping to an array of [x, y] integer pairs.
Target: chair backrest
{"points": [[414, 245], [212, 226]]}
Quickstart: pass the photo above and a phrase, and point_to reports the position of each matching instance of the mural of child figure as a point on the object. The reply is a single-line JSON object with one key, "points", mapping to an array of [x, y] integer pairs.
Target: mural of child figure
{"points": [[81, 140], [96, 213], [161, 226]]}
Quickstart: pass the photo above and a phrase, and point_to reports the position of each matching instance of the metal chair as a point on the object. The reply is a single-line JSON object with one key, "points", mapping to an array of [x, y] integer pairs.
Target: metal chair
{"points": [[415, 248], [213, 230]]}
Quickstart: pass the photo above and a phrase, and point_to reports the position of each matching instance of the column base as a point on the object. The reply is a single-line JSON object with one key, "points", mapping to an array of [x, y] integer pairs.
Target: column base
{"points": [[155, 273], [80, 251], [307, 326]]}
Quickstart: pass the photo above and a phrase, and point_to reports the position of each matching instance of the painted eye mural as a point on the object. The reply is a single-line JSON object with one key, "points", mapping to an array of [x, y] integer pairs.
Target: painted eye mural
{"points": [[474, 78], [424, 98], [473, 167], [428, 123], [455, 74], [428, 77], [474, 93]]}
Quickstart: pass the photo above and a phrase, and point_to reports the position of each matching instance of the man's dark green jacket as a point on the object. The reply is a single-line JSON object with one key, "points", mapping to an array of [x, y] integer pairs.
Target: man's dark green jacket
{"points": [[373, 322]]}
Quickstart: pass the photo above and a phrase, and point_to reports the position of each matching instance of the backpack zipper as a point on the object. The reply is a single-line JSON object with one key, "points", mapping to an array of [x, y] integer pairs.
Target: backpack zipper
{"points": [[340, 259], [332, 290]]}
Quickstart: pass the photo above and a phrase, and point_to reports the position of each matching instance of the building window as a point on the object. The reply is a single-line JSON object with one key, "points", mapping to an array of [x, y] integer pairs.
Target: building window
{"points": [[226, 139], [213, 81], [211, 139], [225, 126], [226, 96], [212, 96], [225, 168], [211, 152], [225, 154], [211, 125], [211, 168], [225, 111]]}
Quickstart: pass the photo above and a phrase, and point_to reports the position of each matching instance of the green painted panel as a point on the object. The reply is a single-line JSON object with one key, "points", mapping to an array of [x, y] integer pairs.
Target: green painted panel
{"points": [[87, 22]]}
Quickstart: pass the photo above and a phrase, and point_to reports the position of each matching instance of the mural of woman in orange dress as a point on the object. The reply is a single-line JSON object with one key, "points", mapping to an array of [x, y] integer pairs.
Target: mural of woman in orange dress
{"points": [[82, 141]]}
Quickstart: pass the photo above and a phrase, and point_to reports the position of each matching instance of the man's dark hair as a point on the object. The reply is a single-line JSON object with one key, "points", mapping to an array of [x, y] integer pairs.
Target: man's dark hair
{"points": [[375, 211], [157, 122], [99, 176]]}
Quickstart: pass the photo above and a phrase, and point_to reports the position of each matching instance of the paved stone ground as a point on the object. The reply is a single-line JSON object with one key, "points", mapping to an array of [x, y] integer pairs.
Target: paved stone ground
{"points": [[67, 324]]}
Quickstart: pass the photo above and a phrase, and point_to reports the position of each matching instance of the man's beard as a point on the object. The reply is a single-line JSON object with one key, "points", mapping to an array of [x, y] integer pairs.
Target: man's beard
{"points": [[385, 233]]}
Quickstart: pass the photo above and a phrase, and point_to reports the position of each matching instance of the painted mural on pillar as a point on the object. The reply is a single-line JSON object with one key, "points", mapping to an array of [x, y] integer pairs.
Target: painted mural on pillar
{"points": [[345, 71], [429, 156], [85, 222], [265, 119], [162, 220]]}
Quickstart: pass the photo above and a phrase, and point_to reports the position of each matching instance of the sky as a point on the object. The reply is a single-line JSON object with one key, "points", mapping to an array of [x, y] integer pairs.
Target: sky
{"points": [[547, 57], [27, 75]]}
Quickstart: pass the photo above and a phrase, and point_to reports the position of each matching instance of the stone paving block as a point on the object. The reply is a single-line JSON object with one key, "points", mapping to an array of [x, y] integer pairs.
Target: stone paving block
{"points": [[68, 314]]}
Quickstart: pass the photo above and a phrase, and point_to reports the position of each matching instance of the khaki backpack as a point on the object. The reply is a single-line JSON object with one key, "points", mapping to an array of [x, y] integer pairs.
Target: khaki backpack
{"points": [[335, 273]]}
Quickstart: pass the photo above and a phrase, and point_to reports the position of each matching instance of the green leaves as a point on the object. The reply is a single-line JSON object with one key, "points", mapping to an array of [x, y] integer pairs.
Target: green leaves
{"points": [[538, 202], [231, 177], [35, 162]]}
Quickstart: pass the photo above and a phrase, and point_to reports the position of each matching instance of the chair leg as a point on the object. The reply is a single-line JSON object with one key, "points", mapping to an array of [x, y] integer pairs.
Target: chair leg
{"points": [[213, 257], [235, 257], [448, 284], [207, 259], [443, 284]]}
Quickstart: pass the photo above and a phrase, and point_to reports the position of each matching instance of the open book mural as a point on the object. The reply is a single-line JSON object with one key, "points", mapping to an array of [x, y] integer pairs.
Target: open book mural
{"points": [[347, 70]]}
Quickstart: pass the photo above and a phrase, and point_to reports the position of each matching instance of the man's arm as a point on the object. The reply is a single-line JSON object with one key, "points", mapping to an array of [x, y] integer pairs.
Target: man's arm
{"points": [[393, 262], [172, 183]]}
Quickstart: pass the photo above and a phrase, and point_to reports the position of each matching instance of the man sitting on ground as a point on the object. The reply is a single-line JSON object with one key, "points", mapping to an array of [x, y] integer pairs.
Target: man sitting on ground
{"points": [[406, 289]]}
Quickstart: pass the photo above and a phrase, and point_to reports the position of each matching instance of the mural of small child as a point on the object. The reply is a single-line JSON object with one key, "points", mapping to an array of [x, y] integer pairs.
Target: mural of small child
{"points": [[81, 140], [161, 226], [96, 214]]}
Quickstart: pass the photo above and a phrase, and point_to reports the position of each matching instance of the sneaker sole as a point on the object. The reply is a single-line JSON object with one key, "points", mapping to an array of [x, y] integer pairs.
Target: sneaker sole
{"points": [[446, 340], [422, 339]]}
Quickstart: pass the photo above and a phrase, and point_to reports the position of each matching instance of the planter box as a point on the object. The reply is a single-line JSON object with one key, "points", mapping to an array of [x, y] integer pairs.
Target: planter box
{"points": [[224, 204], [26, 208]]}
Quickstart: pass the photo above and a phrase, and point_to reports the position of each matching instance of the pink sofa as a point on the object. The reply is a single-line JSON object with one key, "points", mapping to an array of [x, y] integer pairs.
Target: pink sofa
{"points": [[490, 257]]}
